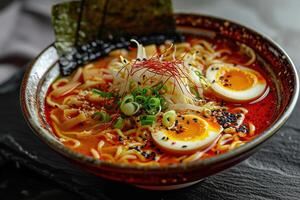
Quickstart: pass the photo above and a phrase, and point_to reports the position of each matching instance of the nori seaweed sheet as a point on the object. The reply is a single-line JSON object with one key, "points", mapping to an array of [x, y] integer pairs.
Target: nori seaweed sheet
{"points": [[143, 17], [99, 48], [91, 21], [65, 18], [88, 29], [76, 23]]}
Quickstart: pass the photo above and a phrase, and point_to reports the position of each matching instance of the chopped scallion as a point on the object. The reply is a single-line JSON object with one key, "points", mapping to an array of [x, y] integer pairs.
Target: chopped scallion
{"points": [[103, 116], [147, 120], [128, 106], [154, 102], [169, 118], [119, 123], [140, 99], [102, 94]]}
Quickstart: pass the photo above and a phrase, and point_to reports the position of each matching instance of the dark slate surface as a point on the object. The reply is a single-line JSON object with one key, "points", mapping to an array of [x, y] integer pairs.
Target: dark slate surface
{"points": [[272, 173], [31, 170]]}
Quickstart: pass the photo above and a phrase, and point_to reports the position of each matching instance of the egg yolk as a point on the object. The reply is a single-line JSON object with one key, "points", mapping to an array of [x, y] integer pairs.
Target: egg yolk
{"points": [[236, 79], [188, 128]]}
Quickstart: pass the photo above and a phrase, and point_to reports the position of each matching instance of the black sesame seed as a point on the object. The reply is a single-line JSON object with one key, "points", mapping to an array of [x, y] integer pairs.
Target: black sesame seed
{"points": [[184, 146], [144, 154], [242, 129]]}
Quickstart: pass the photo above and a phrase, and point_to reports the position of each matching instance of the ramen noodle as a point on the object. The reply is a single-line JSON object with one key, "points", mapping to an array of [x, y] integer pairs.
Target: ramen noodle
{"points": [[163, 104]]}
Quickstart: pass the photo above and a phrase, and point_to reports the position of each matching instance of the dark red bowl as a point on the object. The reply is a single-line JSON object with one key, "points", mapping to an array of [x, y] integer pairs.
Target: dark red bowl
{"points": [[44, 70]]}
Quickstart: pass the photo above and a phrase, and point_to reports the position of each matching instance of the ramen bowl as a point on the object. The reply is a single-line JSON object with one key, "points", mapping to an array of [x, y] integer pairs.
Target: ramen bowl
{"points": [[44, 70]]}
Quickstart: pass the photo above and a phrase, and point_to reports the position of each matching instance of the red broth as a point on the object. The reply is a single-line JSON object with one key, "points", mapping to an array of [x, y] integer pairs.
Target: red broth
{"points": [[261, 113]]}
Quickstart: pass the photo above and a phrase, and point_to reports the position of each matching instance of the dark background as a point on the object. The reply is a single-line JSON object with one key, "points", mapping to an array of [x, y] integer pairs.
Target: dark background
{"points": [[30, 170]]}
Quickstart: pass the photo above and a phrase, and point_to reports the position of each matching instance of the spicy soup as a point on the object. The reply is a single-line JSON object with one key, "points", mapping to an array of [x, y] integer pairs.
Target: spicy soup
{"points": [[163, 104]]}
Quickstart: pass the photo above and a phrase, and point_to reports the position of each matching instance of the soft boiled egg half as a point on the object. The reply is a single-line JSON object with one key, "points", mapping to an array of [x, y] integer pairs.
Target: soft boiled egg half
{"points": [[236, 83], [189, 134]]}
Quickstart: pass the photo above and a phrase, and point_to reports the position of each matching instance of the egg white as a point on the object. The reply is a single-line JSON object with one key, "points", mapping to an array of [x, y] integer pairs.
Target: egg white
{"points": [[249, 94], [186, 147]]}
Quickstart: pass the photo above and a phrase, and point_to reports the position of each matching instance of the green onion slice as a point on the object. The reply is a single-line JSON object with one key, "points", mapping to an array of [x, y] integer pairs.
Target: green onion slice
{"points": [[154, 102], [119, 123], [130, 109], [128, 106], [103, 116], [102, 94], [198, 73], [153, 106], [202, 79], [195, 92], [147, 120], [127, 99], [140, 99], [169, 118]]}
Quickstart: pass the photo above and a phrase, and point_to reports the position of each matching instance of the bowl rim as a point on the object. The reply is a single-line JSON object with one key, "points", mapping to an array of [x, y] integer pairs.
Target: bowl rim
{"points": [[81, 158]]}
